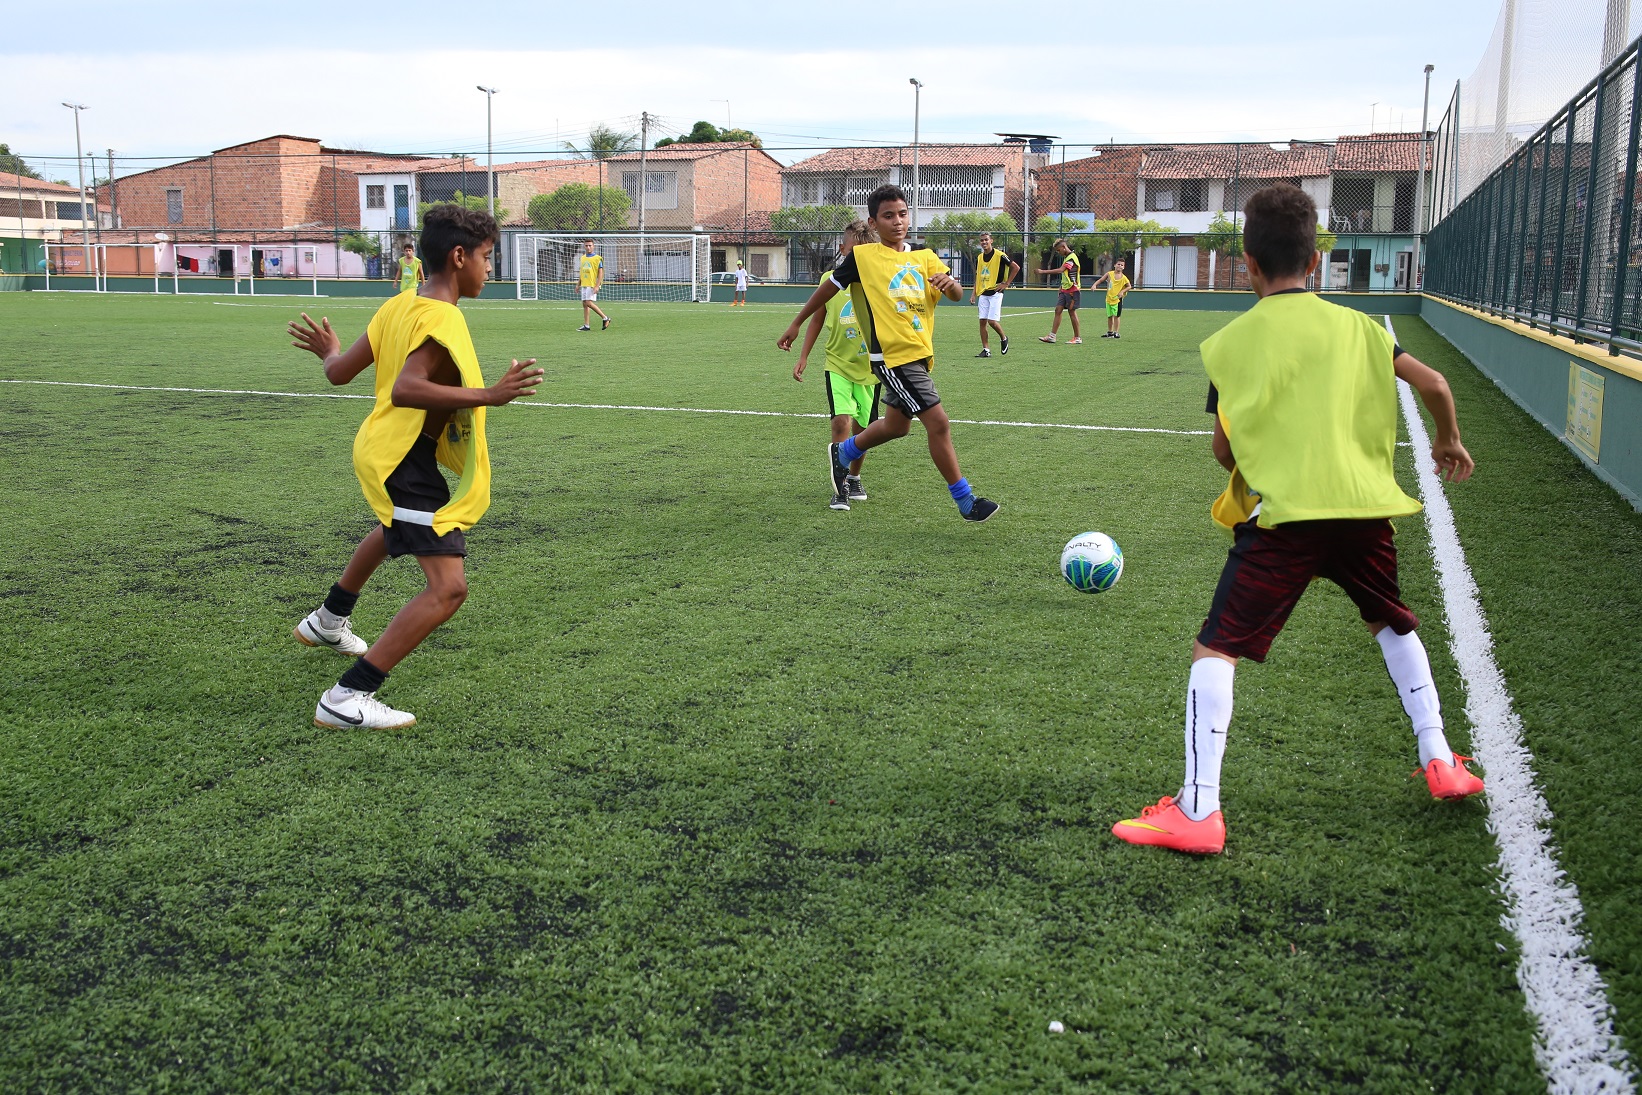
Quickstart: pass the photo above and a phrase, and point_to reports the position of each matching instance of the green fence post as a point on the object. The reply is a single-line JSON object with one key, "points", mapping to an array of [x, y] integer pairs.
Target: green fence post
{"points": [[1562, 218], [1622, 258], [1590, 209]]}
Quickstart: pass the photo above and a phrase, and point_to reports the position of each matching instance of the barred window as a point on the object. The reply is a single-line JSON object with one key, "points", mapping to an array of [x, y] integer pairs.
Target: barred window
{"points": [[1162, 196], [173, 207], [953, 186], [660, 188], [1075, 196], [376, 197]]}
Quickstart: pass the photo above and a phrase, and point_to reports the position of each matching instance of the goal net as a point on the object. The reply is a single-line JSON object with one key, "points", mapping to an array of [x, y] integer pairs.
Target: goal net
{"points": [[636, 267]]}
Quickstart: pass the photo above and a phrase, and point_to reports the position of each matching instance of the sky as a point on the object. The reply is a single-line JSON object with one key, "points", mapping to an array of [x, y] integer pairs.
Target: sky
{"points": [[168, 79]]}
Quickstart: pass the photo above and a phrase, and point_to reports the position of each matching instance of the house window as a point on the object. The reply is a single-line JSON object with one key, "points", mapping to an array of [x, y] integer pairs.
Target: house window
{"points": [[173, 206], [719, 260], [758, 263], [1193, 196], [1351, 203], [660, 188], [71, 211], [953, 186], [1075, 196], [376, 197], [1162, 197]]}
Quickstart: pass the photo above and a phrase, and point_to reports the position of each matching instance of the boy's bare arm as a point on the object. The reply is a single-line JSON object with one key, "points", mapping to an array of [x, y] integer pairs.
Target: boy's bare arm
{"points": [[1453, 462], [416, 387], [818, 300], [321, 341], [948, 285], [1221, 444], [813, 332]]}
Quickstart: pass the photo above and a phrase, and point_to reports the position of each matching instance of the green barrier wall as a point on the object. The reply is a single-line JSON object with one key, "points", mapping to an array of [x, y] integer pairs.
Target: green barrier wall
{"points": [[1534, 373]]}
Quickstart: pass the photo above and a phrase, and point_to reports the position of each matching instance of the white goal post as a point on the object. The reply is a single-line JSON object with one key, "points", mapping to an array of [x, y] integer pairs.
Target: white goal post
{"points": [[652, 266]]}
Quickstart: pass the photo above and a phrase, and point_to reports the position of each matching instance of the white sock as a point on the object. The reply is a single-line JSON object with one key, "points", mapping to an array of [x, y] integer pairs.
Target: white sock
{"points": [[1208, 714], [329, 620], [1410, 671]]}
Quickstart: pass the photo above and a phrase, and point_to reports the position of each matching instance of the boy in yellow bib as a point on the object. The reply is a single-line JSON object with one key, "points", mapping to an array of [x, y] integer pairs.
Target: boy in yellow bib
{"points": [[894, 289], [430, 410], [1305, 395], [852, 390], [411, 274], [589, 280], [1117, 287]]}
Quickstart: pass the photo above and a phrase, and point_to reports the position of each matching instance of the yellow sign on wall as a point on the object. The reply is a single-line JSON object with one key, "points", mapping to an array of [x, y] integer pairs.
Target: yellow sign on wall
{"points": [[1584, 428]]}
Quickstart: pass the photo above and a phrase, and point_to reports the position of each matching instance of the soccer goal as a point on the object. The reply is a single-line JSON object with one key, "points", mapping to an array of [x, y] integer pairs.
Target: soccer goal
{"points": [[636, 267]]}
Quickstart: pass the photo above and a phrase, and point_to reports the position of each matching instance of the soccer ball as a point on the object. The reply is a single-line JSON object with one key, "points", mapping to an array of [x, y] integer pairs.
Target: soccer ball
{"points": [[1092, 562]]}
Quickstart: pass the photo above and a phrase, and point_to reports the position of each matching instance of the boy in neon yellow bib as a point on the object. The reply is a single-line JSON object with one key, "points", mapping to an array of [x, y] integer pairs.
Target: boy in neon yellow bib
{"points": [[430, 410], [852, 390], [1305, 400], [411, 275]]}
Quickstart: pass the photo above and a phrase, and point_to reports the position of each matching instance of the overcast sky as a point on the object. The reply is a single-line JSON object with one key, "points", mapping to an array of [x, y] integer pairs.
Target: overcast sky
{"points": [[182, 77]]}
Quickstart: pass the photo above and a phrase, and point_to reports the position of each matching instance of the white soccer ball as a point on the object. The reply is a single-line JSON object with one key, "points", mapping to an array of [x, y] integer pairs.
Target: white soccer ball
{"points": [[1092, 562]]}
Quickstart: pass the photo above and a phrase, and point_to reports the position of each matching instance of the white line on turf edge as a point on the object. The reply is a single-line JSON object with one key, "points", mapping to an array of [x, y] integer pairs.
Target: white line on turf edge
{"points": [[596, 406], [1576, 1046]]}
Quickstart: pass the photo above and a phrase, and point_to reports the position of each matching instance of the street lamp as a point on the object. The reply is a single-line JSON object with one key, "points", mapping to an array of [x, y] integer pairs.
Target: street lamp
{"points": [[917, 91], [490, 164], [1414, 279], [79, 160]]}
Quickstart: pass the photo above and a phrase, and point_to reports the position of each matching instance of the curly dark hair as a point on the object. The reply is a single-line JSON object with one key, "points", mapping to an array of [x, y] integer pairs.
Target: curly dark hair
{"points": [[1280, 230], [447, 227], [889, 192]]}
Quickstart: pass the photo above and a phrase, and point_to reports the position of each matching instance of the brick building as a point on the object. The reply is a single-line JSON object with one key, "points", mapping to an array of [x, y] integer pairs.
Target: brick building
{"points": [[952, 178], [1090, 188]]}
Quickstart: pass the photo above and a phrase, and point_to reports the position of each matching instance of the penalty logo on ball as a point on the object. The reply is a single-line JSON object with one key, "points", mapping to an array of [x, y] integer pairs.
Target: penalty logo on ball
{"points": [[1092, 562]]}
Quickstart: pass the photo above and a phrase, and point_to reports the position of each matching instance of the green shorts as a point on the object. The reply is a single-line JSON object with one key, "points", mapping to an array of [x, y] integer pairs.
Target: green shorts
{"points": [[1114, 308], [845, 396]]}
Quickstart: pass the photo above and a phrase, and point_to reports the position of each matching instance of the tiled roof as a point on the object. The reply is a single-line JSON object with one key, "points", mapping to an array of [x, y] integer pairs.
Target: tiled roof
{"points": [[1379, 152], [8, 186], [690, 151], [932, 155], [727, 227], [1301, 160]]}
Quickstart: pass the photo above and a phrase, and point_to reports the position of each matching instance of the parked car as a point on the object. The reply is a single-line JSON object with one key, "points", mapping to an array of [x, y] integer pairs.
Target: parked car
{"points": [[727, 277]]}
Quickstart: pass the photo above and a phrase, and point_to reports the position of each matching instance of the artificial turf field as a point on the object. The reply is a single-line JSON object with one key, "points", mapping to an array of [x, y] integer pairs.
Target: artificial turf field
{"points": [[714, 789]]}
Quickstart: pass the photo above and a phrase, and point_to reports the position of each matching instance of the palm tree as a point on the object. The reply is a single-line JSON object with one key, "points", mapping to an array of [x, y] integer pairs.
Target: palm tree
{"points": [[604, 142]]}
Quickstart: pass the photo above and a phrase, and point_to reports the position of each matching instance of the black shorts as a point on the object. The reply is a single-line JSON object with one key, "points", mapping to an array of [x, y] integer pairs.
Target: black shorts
{"points": [[1269, 568], [907, 387], [417, 489], [1068, 299]]}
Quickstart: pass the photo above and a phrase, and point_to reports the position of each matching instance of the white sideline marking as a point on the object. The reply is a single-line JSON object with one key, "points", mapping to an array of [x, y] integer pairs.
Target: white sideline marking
{"points": [[598, 406], [1575, 1044]]}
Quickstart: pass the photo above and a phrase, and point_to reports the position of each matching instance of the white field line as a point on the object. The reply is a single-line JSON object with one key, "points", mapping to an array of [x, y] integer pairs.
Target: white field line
{"points": [[1575, 1044], [597, 406]]}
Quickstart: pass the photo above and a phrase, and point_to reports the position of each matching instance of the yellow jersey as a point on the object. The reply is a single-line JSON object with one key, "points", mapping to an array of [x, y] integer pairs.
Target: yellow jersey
{"points": [[1116, 283], [1308, 395], [846, 343], [410, 272], [398, 328], [989, 272], [1071, 273], [591, 266], [894, 300]]}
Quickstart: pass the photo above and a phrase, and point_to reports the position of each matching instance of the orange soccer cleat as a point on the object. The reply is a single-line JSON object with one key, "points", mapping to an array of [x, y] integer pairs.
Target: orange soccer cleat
{"points": [[1167, 826], [1453, 780]]}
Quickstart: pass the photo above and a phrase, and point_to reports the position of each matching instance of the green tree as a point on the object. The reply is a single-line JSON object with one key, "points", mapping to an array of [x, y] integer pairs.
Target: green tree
{"points": [[604, 142], [579, 207], [1222, 237], [364, 244], [12, 164], [962, 232], [708, 133], [475, 202], [814, 230]]}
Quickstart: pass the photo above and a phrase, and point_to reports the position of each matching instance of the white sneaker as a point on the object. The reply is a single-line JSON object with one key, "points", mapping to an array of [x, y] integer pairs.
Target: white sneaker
{"points": [[347, 709], [310, 632]]}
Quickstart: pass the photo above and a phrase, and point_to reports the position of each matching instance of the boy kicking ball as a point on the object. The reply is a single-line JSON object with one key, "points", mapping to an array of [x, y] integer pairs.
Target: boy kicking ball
{"points": [[852, 390], [1306, 398], [894, 290], [430, 403]]}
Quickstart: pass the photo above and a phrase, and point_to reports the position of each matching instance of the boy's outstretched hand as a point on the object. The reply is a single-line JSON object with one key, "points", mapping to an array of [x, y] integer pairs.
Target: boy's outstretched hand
{"points": [[318, 339], [1454, 464], [519, 380]]}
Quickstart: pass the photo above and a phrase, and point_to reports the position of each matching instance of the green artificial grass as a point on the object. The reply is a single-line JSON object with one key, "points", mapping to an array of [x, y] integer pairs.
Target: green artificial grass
{"points": [[714, 789]]}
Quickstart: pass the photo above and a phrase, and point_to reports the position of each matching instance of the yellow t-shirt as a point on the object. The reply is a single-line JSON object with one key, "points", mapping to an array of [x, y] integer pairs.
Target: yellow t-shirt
{"points": [[894, 301], [1308, 394], [989, 271], [399, 327], [1115, 284], [846, 342], [590, 267], [410, 272]]}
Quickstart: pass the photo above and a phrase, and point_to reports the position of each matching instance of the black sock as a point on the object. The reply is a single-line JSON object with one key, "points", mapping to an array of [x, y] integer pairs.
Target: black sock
{"points": [[339, 602], [363, 677]]}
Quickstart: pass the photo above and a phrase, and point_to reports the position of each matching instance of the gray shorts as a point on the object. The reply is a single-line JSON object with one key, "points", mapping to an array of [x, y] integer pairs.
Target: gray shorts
{"points": [[907, 387]]}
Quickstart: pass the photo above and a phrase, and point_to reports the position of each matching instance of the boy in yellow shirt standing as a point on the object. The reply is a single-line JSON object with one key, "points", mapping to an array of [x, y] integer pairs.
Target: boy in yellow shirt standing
{"points": [[894, 290], [430, 401], [1306, 414], [1117, 287], [410, 269], [589, 280]]}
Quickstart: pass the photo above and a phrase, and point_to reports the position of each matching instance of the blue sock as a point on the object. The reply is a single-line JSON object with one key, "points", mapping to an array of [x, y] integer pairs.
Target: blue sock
{"points": [[962, 495], [848, 451]]}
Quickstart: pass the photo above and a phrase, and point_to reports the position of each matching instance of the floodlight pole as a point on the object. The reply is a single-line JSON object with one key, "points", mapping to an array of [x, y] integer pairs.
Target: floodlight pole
{"points": [[79, 161], [490, 156], [917, 92], [1419, 195]]}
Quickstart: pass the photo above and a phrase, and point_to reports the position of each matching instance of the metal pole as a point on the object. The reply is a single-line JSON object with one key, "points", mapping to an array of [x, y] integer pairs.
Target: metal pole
{"points": [[22, 228], [1418, 282], [644, 181], [113, 190], [917, 92], [490, 158], [1615, 30], [1526, 156], [79, 162], [1026, 203], [1539, 227], [1627, 207], [1590, 209], [1562, 215]]}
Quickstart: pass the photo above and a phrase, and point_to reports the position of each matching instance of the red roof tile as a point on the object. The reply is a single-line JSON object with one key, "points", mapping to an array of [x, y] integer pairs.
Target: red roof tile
{"points": [[1301, 160], [929, 155], [1380, 152]]}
